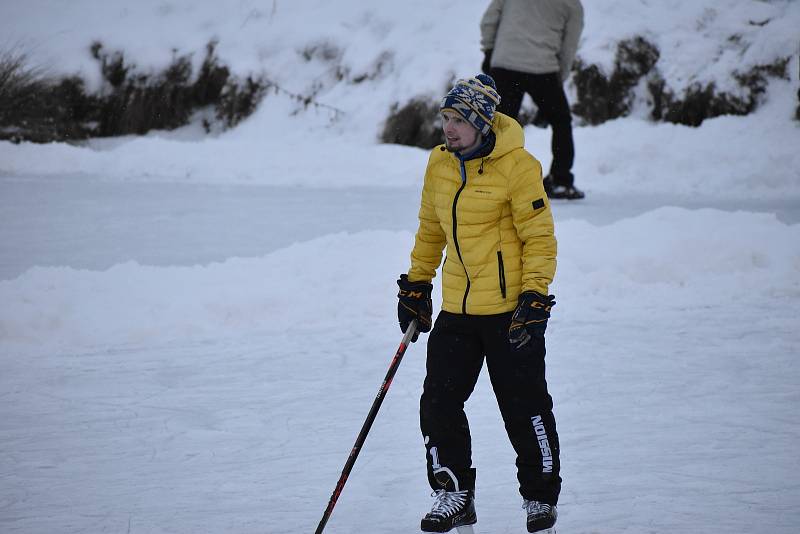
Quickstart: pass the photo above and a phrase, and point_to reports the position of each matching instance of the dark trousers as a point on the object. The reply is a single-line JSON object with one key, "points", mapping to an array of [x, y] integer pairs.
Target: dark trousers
{"points": [[547, 92], [457, 347]]}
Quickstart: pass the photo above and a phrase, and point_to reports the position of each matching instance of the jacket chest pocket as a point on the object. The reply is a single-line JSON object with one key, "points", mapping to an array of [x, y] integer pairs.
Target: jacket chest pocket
{"points": [[483, 205]]}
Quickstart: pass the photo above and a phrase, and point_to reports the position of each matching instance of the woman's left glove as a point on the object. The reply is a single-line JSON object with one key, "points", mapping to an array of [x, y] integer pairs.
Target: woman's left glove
{"points": [[414, 302], [530, 318]]}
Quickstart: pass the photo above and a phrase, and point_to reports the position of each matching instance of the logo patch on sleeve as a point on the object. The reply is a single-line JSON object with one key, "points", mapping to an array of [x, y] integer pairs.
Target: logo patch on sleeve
{"points": [[538, 204]]}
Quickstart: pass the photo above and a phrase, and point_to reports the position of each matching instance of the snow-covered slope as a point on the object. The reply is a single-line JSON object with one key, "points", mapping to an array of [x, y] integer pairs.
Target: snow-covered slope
{"points": [[405, 50]]}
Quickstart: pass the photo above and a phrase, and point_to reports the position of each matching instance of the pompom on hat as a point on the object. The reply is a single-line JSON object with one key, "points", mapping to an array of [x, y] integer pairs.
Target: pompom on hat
{"points": [[474, 99]]}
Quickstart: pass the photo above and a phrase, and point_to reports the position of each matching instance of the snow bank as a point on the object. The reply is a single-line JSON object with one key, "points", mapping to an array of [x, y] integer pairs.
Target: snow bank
{"points": [[361, 58], [717, 255], [751, 157], [325, 280], [297, 160], [746, 157], [677, 257]]}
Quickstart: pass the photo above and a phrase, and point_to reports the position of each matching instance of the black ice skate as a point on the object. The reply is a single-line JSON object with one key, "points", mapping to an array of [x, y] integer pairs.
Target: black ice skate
{"points": [[555, 189], [570, 192], [541, 516], [451, 509]]}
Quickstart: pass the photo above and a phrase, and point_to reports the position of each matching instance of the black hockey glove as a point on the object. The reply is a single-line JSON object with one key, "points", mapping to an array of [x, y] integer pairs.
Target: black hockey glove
{"points": [[414, 302], [486, 66], [530, 318]]}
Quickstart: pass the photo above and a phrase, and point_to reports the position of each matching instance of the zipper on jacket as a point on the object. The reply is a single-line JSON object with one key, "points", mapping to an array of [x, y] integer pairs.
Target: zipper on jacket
{"points": [[455, 233], [502, 273]]}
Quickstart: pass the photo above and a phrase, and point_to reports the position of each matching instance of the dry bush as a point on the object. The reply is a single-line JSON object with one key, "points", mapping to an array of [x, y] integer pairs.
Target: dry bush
{"points": [[415, 124], [35, 107], [603, 97]]}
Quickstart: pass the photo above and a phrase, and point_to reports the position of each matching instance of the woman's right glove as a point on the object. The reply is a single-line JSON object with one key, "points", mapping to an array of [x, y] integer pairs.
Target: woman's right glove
{"points": [[414, 302]]}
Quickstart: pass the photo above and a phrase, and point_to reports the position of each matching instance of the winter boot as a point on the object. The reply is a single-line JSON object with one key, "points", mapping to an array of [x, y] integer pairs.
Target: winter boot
{"points": [[541, 516], [561, 187], [570, 192], [451, 509]]}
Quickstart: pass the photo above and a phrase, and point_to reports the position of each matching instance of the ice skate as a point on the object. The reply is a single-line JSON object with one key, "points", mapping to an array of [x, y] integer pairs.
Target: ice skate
{"points": [[541, 516], [557, 189], [451, 509]]}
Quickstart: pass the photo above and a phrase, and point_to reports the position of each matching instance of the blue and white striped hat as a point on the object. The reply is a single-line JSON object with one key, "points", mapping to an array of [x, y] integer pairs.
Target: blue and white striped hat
{"points": [[475, 100]]}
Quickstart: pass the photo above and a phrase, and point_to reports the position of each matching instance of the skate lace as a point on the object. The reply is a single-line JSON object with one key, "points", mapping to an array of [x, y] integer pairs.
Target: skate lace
{"points": [[447, 503], [536, 508]]}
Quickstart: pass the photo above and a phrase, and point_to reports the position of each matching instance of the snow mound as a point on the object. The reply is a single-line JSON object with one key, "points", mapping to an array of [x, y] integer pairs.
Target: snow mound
{"points": [[675, 256]]}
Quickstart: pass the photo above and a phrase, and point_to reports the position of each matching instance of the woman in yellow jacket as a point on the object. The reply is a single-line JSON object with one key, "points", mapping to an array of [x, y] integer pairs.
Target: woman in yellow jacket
{"points": [[483, 203]]}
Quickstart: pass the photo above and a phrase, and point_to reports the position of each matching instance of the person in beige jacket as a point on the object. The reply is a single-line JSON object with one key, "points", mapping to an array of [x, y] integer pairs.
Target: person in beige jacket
{"points": [[529, 47]]}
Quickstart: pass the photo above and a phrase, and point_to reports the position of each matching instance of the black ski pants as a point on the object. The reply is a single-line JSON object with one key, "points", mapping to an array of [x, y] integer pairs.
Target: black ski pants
{"points": [[547, 92], [457, 347]]}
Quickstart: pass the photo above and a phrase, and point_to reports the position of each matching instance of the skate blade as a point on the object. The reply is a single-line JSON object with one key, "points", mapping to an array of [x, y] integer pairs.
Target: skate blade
{"points": [[466, 529]]}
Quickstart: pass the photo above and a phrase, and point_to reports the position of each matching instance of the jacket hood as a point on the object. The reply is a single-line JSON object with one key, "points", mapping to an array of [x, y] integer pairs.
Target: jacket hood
{"points": [[508, 134]]}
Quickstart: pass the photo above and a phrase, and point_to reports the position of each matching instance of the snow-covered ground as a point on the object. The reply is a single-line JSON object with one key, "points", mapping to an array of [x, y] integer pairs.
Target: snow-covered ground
{"points": [[192, 328]]}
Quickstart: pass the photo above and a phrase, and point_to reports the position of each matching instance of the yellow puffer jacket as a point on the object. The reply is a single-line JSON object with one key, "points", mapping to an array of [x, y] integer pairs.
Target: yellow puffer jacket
{"points": [[495, 221]]}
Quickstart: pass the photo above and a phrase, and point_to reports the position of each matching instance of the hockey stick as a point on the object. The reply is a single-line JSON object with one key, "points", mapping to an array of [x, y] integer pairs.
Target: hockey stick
{"points": [[373, 412]]}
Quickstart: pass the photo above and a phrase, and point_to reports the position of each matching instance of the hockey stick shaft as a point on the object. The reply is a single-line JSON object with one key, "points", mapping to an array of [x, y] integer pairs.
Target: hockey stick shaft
{"points": [[373, 412]]}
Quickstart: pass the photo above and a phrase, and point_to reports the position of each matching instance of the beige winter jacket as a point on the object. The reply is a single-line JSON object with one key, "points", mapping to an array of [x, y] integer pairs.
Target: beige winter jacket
{"points": [[535, 36]]}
